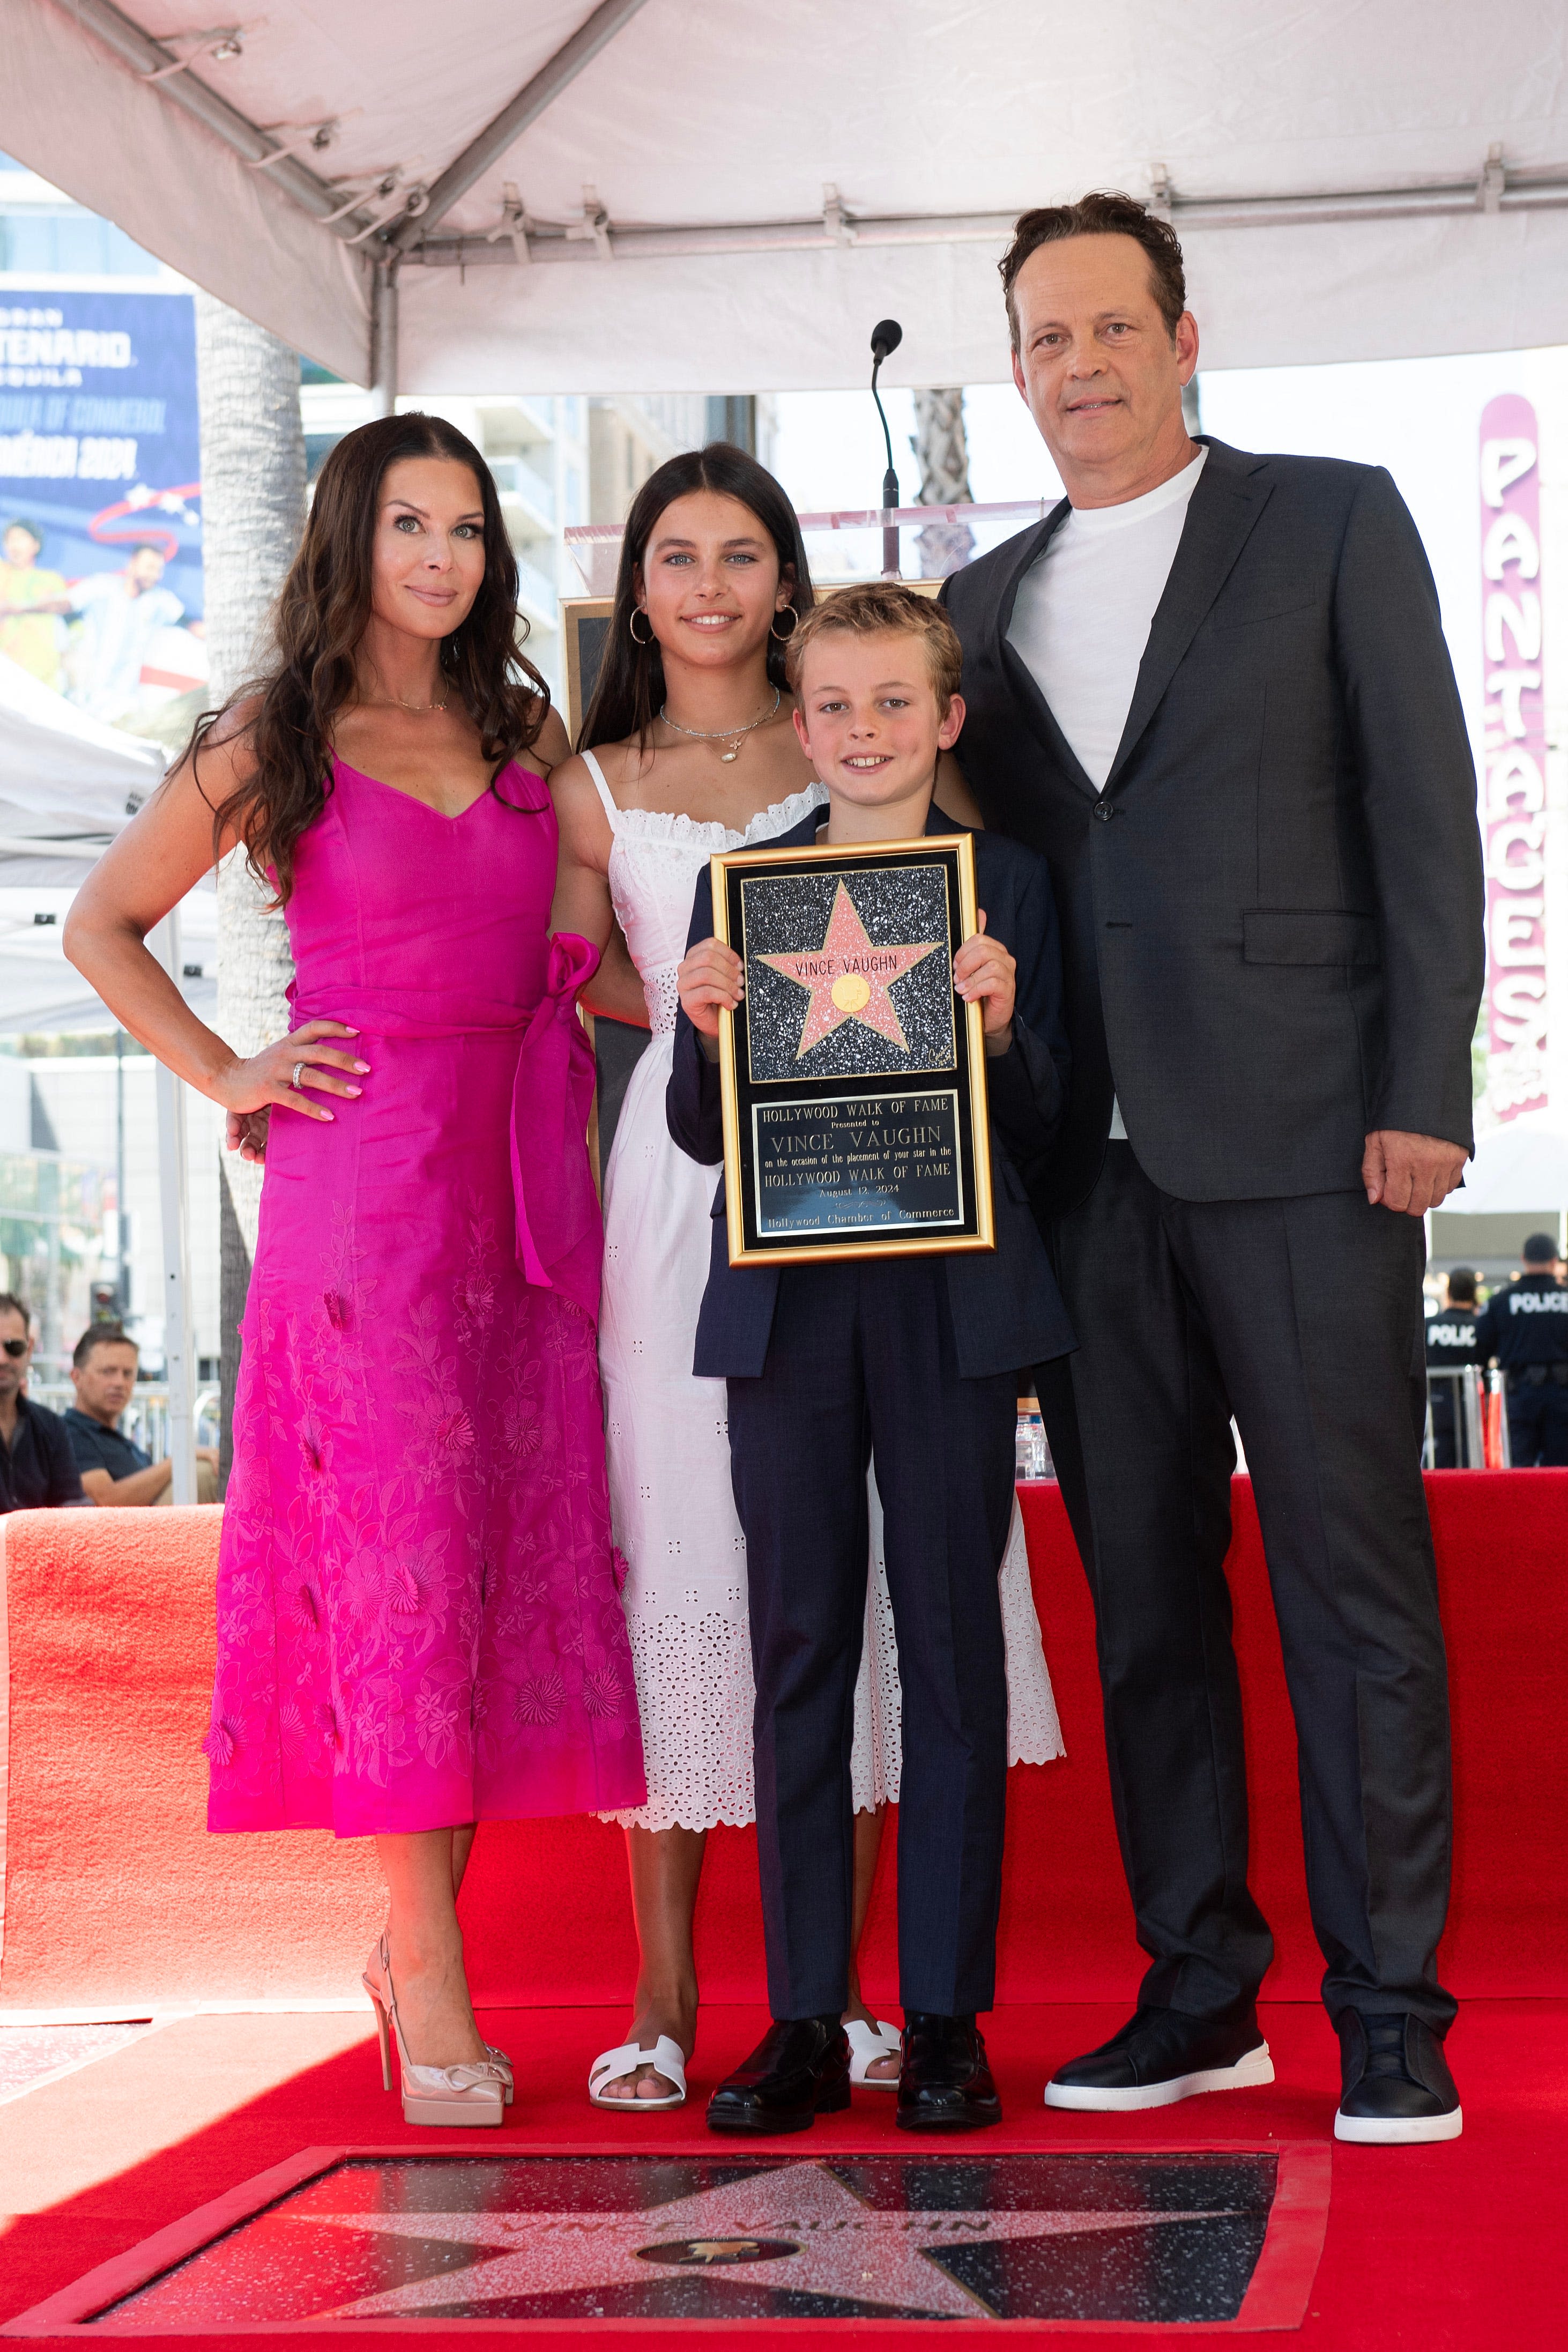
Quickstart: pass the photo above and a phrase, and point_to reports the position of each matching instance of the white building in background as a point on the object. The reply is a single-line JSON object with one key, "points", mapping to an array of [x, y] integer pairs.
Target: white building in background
{"points": [[630, 434]]}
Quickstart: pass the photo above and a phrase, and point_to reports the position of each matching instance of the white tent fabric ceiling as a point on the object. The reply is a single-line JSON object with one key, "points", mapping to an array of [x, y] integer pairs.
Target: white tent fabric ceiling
{"points": [[1326, 164]]}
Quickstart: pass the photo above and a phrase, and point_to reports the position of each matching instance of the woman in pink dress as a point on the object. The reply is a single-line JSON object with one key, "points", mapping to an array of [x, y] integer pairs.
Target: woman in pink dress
{"points": [[418, 1619]]}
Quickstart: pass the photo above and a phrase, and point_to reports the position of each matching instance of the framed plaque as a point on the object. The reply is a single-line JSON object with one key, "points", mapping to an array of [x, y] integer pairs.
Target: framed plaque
{"points": [[853, 1072]]}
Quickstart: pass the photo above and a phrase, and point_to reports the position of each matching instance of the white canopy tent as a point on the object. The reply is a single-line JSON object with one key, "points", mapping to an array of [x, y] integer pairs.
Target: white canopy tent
{"points": [[1519, 1169], [657, 195], [67, 782], [41, 994]]}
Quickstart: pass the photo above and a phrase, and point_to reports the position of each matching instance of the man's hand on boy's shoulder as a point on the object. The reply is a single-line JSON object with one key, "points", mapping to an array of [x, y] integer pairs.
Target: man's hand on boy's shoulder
{"points": [[711, 979], [984, 974]]}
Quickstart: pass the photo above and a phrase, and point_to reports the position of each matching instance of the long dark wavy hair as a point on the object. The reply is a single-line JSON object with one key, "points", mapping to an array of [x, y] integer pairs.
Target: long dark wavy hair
{"points": [[630, 686], [318, 623]]}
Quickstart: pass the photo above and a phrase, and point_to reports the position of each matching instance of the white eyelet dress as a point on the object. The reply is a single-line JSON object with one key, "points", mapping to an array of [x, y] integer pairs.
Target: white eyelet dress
{"points": [[671, 1501]]}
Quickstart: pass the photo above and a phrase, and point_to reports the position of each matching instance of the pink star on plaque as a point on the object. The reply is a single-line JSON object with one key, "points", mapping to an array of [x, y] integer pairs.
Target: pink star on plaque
{"points": [[849, 977]]}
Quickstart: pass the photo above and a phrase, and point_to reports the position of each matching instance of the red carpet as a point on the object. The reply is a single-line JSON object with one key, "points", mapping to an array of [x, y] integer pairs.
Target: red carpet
{"points": [[1451, 2249], [114, 1892]]}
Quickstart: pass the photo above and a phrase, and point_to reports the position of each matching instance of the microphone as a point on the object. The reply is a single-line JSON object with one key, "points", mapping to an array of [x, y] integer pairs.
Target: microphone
{"points": [[885, 337]]}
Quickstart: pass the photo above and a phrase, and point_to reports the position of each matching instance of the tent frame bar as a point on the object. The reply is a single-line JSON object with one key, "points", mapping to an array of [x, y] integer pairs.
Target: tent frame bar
{"points": [[592, 35], [180, 86], [1494, 190], [164, 70]]}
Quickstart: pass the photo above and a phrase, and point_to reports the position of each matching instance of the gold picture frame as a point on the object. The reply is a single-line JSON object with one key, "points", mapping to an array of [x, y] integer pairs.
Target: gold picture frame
{"points": [[932, 1193]]}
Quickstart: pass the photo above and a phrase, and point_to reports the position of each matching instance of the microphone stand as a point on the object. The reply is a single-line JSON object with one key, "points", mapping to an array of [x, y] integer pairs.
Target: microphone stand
{"points": [[888, 480]]}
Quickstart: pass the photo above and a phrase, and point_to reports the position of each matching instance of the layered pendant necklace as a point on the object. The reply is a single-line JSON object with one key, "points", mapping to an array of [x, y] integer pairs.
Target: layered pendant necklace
{"points": [[732, 736]]}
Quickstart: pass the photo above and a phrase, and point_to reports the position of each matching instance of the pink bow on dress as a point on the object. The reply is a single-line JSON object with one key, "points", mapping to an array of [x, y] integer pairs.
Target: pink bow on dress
{"points": [[560, 1235]]}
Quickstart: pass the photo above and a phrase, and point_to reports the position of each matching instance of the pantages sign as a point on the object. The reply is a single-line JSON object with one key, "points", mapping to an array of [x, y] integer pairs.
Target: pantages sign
{"points": [[1513, 805]]}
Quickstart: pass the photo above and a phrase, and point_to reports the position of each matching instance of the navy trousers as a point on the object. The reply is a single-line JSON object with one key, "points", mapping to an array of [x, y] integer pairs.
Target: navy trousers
{"points": [[862, 1366]]}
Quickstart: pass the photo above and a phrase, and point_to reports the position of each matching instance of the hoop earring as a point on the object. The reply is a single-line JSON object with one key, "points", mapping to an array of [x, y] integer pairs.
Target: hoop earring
{"points": [[782, 637], [632, 626]]}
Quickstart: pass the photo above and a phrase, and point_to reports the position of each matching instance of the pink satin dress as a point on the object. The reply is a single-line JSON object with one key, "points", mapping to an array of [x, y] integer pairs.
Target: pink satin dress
{"points": [[418, 1615]]}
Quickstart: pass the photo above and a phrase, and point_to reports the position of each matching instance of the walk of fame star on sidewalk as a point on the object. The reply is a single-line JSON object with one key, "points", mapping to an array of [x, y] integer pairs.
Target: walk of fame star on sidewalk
{"points": [[337, 2239], [828, 2243], [849, 977]]}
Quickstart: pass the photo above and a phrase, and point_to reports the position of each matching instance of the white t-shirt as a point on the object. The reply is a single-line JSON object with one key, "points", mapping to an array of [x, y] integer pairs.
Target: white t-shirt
{"points": [[1080, 619]]}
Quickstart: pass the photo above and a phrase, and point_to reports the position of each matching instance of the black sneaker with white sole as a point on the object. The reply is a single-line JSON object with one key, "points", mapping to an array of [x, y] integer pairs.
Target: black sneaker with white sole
{"points": [[1161, 2055], [1397, 2090]]}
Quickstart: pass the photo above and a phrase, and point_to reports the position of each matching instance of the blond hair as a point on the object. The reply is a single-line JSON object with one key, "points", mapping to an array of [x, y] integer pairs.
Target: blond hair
{"points": [[873, 608]]}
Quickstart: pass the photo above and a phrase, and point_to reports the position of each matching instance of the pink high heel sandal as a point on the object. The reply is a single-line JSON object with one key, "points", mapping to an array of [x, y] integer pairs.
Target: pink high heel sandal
{"points": [[471, 2097]]}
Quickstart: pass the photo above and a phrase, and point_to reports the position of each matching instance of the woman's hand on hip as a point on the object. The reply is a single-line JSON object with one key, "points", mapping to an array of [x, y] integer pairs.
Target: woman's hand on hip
{"points": [[267, 1077]]}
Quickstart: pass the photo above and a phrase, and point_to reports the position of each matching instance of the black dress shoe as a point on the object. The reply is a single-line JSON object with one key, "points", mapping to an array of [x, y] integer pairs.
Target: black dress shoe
{"points": [[798, 2071], [1161, 2055], [1397, 2090], [943, 2082]]}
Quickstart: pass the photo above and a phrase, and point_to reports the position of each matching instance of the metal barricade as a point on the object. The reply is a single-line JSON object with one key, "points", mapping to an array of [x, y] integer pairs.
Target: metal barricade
{"points": [[146, 1419], [1480, 1417], [1463, 1385]]}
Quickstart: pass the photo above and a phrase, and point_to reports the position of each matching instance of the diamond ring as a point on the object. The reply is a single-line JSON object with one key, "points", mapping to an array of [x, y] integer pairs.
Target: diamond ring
{"points": [[294, 1080]]}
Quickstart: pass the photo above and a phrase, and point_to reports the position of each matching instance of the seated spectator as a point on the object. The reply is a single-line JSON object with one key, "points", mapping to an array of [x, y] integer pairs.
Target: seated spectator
{"points": [[37, 1470], [116, 1473]]}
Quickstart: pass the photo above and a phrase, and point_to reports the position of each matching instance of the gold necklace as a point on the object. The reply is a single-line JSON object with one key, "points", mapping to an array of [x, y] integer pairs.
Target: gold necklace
{"points": [[732, 736]]}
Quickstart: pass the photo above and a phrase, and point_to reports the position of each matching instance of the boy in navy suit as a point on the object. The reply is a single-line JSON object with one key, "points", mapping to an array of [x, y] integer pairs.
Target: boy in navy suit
{"points": [[911, 1362]]}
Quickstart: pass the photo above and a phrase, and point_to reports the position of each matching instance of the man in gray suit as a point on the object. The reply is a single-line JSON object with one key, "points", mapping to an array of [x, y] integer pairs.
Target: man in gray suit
{"points": [[1212, 687]]}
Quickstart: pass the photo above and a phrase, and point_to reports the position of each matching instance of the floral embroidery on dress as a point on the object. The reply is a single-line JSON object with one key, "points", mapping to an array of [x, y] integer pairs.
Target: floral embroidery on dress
{"points": [[403, 1635], [416, 1610]]}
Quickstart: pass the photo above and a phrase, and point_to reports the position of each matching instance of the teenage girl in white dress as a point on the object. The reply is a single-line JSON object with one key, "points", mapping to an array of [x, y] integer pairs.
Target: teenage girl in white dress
{"points": [[695, 753]]}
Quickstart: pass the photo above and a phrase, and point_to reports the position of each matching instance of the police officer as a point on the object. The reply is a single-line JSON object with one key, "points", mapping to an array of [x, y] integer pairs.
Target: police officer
{"points": [[1525, 1326], [1451, 1346]]}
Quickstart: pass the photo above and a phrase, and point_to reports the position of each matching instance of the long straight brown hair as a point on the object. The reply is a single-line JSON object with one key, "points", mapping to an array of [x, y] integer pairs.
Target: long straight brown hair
{"points": [[319, 620], [630, 686]]}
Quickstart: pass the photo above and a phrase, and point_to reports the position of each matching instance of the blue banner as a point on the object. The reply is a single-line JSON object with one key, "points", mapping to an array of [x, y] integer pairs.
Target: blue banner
{"points": [[101, 553]]}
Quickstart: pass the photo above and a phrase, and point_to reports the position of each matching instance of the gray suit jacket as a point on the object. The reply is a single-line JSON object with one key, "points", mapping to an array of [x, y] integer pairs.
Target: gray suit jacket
{"points": [[1271, 918]]}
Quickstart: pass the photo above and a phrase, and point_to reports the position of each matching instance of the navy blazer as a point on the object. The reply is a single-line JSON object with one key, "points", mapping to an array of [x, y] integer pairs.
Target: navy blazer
{"points": [[1007, 1310]]}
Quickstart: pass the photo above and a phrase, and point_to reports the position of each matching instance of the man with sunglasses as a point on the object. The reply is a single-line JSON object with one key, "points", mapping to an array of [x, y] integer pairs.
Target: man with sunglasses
{"points": [[37, 1468]]}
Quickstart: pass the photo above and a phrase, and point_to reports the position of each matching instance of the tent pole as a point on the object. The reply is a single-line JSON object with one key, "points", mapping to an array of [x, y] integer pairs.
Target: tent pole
{"points": [[177, 1336], [384, 338], [122, 1216]]}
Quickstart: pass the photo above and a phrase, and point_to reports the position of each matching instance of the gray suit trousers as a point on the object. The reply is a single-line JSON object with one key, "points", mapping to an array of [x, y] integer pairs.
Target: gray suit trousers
{"points": [[1302, 1317]]}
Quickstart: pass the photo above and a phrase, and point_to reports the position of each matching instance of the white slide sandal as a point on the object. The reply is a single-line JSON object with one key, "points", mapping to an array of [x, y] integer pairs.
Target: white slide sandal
{"points": [[611, 2064], [868, 2043]]}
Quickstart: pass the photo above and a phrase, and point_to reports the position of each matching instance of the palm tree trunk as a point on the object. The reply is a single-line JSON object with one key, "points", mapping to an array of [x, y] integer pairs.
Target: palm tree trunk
{"points": [[253, 502], [942, 447]]}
